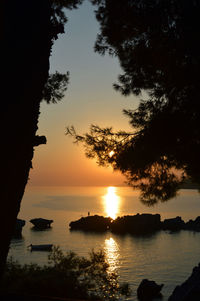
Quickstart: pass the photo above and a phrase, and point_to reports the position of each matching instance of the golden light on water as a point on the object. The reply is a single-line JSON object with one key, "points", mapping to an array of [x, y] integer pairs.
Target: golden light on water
{"points": [[111, 202], [111, 249]]}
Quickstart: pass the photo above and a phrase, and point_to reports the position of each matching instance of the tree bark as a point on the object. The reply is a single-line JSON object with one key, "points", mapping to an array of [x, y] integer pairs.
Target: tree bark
{"points": [[25, 45]]}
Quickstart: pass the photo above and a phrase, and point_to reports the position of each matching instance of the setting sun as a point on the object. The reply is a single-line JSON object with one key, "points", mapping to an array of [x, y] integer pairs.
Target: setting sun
{"points": [[111, 153], [111, 202]]}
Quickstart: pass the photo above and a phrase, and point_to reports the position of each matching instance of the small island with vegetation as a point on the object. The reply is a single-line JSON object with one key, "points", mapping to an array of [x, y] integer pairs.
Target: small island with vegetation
{"points": [[139, 224]]}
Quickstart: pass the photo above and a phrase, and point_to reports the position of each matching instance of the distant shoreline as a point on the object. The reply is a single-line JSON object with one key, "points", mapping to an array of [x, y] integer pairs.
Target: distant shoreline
{"points": [[190, 186]]}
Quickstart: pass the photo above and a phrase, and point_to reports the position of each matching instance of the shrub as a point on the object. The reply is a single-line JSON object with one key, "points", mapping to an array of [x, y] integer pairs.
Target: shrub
{"points": [[67, 276]]}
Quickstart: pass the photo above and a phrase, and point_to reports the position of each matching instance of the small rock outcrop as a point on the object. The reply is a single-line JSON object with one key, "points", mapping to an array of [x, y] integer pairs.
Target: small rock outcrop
{"points": [[147, 290], [20, 223], [173, 224], [91, 223], [137, 224], [193, 225], [190, 289], [41, 223]]}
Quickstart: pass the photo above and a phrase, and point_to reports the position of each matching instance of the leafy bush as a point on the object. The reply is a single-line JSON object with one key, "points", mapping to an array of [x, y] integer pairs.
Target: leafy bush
{"points": [[67, 276]]}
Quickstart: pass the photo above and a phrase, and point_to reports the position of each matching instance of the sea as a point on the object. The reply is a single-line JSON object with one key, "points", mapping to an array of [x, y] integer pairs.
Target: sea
{"points": [[164, 257]]}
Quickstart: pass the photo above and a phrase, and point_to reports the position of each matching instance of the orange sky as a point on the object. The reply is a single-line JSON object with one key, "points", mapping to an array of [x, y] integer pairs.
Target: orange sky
{"points": [[89, 99]]}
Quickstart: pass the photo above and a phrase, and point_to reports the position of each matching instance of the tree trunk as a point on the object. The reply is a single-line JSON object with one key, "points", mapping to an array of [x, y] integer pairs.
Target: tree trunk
{"points": [[26, 45]]}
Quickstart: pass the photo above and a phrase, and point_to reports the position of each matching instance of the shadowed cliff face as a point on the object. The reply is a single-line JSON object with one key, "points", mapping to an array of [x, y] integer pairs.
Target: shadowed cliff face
{"points": [[26, 45]]}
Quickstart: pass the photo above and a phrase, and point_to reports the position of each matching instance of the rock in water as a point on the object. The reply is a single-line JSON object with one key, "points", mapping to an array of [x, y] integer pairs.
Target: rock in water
{"points": [[91, 223], [139, 224], [20, 223], [173, 224], [41, 223], [193, 225], [189, 290], [147, 290]]}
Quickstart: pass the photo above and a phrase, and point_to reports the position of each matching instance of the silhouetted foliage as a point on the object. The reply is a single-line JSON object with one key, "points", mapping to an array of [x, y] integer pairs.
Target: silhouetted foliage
{"points": [[157, 44], [55, 87], [58, 15], [66, 276]]}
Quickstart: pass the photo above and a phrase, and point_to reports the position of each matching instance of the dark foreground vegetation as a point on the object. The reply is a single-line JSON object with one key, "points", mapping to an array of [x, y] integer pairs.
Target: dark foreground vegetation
{"points": [[66, 276], [71, 277], [139, 224]]}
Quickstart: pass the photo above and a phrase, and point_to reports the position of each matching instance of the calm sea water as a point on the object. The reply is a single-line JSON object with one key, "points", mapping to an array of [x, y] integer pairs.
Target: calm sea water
{"points": [[163, 257]]}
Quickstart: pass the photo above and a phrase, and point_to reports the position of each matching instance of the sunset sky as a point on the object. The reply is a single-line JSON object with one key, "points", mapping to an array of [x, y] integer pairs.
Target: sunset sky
{"points": [[90, 99]]}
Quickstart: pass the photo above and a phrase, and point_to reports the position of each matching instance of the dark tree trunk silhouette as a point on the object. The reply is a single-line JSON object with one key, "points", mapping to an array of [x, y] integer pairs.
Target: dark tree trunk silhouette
{"points": [[26, 45]]}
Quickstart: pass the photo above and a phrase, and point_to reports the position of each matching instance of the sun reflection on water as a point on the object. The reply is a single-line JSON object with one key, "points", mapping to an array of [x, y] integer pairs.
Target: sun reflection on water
{"points": [[111, 202], [111, 249]]}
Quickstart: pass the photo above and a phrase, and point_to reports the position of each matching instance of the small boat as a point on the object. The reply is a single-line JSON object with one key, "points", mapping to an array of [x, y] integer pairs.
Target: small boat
{"points": [[47, 247]]}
